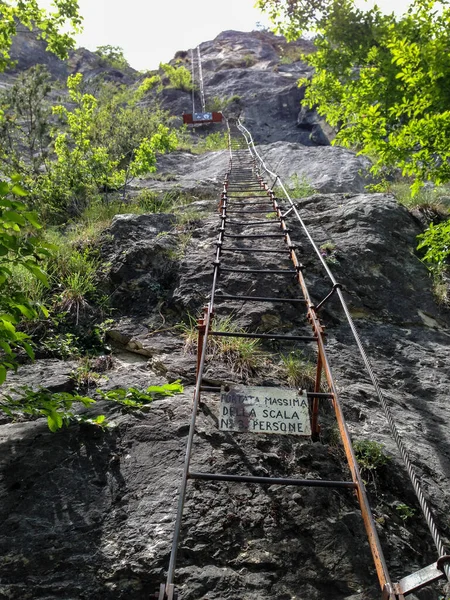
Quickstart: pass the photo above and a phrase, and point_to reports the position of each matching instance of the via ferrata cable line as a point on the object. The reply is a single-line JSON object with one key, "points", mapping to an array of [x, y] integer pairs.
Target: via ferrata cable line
{"points": [[203, 117], [443, 558]]}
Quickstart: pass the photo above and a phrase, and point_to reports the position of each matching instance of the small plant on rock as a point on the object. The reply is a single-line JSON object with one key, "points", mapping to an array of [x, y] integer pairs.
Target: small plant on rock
{"points": [[329, 252], [242, 355], [300, 372], [299, 187], [179, 77], [134, 398], [405, 512], [371, 458], [56, 407]]}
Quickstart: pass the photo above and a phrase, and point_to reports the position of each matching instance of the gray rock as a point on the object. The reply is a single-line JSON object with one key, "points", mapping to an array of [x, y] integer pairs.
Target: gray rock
{"points": [[141, 253], [324, 169]]}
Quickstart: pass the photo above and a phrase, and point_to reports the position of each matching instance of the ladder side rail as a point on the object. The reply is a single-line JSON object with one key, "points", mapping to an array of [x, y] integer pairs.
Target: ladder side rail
{"points": [[200, 76], [193, 82], [195, 405]]}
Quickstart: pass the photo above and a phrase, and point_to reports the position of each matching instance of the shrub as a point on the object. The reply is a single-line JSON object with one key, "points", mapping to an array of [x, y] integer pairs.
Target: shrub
{"points": [[299, 187], [179, 77], [19, 249], [113, 56]]}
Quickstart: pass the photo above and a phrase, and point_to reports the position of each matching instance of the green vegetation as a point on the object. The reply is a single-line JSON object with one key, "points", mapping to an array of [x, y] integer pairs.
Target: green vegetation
{"points": [[243, 356], [249, 60], [382, 81], [113, 56], [299, 371], [179, 77], [436, 243], [134, 398], [56, 407], [219, 104], [328, 251], [299, 187], [99, 145], [74, 162], [434, 197], [60, 408], [20, 249], [290, 54], [405, 512], [371, 458], [199, 144], [212, 142], [63, 18], [368, 69]]}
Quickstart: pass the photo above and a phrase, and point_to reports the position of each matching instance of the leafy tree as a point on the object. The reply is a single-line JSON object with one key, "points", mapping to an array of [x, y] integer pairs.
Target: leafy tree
{"points": [[113, 55], [81, 168], [101, 146], [383, 81], [25, 127], [126, 129], [56, 28], [18, 247]]}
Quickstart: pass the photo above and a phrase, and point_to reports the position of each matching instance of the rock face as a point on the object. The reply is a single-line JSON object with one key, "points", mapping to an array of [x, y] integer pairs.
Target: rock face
{"points": [[27, 51], [322, 169], [89, 514], [262, 71], [258, 69]]}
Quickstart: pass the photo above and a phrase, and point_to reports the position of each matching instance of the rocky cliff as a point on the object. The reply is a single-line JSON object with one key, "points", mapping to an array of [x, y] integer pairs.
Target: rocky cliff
{"points": [[89, 513]]}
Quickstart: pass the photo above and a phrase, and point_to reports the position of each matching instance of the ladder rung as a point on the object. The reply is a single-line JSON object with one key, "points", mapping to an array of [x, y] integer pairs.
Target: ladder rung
{"points": [[247, 204], [274, 480], [256, 298], [253, 223], [257, 251], [249, 212], [267, 271], [256, 236], [265, 336]]}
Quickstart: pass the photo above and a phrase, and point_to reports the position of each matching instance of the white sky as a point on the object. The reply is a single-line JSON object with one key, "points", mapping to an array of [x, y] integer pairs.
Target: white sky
{"points": [[151, 31]]}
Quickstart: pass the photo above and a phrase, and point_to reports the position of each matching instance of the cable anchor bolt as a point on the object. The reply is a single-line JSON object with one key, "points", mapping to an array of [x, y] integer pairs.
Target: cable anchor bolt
{"points": [[335, 287]]}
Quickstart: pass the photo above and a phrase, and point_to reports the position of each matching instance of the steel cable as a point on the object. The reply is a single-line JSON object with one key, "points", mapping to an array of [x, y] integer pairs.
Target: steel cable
{"points": [[426, 510]]}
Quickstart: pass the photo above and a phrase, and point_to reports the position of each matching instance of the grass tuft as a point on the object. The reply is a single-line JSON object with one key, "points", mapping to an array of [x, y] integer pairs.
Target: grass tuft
{"points": [[298, 370], [243, 356]]}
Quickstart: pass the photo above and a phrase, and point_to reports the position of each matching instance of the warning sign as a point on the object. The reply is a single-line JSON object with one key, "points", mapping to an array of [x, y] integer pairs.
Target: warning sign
{"points": [[264, 410]]}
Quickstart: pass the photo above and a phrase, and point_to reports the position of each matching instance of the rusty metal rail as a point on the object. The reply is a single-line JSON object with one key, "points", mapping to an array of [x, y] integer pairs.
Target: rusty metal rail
{"points": [[244, 188], [440, 569]]}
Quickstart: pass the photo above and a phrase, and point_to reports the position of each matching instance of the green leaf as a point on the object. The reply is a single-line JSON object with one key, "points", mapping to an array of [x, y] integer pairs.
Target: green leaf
{"points": [[33, 219], [26, 311], [37, 272], [2, 374], [17, 190], [13, 217], [4, 188], [5, 347], [54, 420], [28, 349]]}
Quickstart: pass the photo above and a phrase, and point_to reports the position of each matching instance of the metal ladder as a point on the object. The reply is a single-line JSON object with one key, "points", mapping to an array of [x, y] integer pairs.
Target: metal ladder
{"points": [[246, 202]]}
